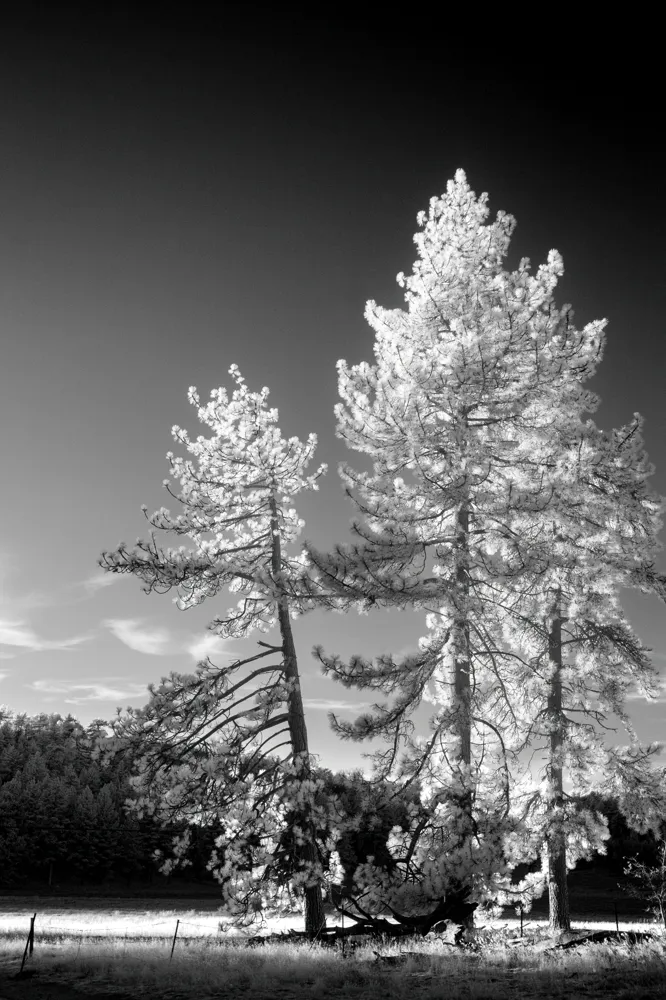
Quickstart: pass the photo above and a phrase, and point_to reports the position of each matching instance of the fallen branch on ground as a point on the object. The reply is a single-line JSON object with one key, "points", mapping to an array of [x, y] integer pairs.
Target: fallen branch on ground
{"points": [[600, 937]]}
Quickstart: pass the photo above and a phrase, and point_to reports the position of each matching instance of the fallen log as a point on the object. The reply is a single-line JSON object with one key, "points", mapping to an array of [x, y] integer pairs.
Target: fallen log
{"points": [[602, 937], [331, 936]]}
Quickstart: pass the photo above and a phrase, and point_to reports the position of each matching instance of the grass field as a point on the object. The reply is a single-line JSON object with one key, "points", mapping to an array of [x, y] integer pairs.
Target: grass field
{"points": [[100, 945]]}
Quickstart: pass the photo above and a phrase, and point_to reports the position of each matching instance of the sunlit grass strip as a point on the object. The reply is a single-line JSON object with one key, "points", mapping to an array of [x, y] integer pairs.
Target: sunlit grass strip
{"points": [[141, 924], [147, 923], [158, 926]]}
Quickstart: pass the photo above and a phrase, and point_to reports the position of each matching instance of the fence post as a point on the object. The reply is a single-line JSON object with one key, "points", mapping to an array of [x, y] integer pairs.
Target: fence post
{"points": [[521, 919], [174, 940], [617, 922], [30, 943]]}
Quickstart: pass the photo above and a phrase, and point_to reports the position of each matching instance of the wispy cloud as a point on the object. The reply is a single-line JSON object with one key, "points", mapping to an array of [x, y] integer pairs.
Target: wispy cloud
{"points": [[130, 631], [18, 633], [205, 645], [3, 675], [101, 580], [158, 641], [15, 600], [333, 705], [660, 698], [78, 691]]}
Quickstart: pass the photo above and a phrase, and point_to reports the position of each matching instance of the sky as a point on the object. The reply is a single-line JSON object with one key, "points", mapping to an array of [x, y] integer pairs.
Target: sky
{"points": [[178, 196]]}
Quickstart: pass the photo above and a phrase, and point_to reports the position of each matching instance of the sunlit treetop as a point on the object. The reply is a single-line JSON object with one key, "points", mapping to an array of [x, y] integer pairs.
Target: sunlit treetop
{"points": [[475, 341], [457, 407], [236, 491]]}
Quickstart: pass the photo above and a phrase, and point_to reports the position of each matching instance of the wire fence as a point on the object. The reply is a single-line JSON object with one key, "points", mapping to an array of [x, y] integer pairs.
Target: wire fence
{"points": [[144, 930], [46, 929]]}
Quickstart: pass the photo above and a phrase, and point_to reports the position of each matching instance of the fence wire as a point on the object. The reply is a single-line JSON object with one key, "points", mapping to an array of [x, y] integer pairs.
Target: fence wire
{"points": [[43, 933]]}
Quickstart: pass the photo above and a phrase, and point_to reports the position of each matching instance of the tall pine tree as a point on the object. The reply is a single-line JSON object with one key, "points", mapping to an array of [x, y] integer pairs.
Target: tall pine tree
{"points": [[476, 390], [596, 535]]}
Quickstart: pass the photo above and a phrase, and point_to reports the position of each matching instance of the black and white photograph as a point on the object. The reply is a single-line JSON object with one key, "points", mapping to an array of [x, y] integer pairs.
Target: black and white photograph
{"points": [[333, 453]]}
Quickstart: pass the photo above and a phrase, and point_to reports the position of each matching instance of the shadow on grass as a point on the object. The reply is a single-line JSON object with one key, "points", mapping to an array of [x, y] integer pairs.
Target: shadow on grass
{"points": [[418, 969]]}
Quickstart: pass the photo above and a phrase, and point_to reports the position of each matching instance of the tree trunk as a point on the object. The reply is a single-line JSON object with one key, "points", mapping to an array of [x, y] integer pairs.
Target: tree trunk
{"points": [[462, 686], [558, 890], [315, 918]]}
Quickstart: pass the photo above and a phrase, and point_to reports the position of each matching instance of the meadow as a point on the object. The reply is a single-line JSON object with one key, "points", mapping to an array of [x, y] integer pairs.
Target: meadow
{"points": [[84, 947]]}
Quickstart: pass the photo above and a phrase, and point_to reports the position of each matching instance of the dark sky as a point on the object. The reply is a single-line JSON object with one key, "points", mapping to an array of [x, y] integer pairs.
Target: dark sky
{"points": [[177, 196]]}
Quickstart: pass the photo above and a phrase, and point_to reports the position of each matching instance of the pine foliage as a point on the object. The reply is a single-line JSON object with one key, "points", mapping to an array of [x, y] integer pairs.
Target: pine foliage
{"points": [[496, 508], [232, 740]]}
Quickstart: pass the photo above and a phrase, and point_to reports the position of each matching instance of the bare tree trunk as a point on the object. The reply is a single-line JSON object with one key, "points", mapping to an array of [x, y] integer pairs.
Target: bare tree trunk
{"points": [[315, 918], [462, 690], [558, 890]]}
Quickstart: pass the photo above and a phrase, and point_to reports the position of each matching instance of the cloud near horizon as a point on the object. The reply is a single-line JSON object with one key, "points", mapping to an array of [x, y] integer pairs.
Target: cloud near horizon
{"points": [[18, 633], [333, 705], [153, 642], [158, 641], [91, 691], [636, 695], [206, 645], [17, 601], [101, 580]]}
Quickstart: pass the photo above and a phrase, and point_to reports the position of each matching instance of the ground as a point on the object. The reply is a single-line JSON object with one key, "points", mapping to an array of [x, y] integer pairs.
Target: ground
{"points": [[87, 948], [507, 986]]}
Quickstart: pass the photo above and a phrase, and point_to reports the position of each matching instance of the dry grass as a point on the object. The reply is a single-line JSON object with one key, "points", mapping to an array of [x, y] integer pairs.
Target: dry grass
{"points": [[130, 949]]}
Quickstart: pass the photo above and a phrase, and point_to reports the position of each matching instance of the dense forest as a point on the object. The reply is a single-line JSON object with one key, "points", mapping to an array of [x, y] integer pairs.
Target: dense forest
{"points": [[62, 809], [63, 815]]}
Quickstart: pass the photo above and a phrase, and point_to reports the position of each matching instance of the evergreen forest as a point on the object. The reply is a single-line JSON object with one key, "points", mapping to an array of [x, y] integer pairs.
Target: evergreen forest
{"points": [[64, 820]]}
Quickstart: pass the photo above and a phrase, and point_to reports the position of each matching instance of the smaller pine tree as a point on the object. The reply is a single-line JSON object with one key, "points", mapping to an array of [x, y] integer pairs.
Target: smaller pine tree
{"points": [[233, 739]]}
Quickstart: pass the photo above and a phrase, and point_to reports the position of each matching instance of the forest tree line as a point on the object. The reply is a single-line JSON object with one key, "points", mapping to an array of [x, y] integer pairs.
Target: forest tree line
{"points": [[62, 809], [64, 819]]}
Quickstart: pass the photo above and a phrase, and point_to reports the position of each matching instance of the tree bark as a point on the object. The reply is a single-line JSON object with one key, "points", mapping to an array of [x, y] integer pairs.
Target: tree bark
{"points": [[558, 890], [315, 918], [462, 691]]}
